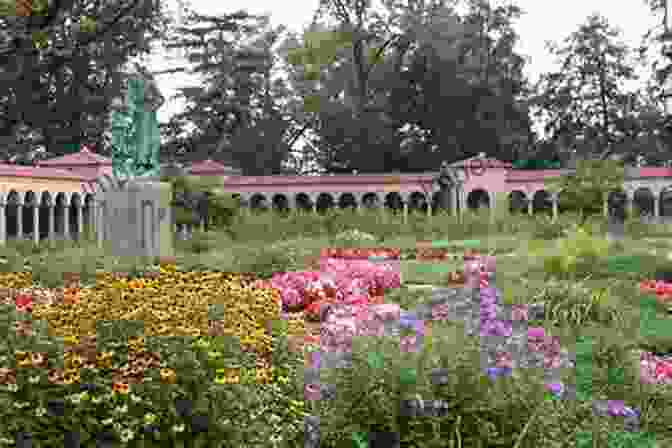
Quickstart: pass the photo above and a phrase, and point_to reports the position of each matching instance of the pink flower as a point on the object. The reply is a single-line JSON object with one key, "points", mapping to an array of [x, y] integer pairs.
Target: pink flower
{"points": [[408, 343], [519, 313], [311, 392]]}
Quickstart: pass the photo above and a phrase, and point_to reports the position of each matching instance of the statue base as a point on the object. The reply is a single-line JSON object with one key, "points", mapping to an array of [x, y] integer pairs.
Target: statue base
{"points": [[136, 218]]}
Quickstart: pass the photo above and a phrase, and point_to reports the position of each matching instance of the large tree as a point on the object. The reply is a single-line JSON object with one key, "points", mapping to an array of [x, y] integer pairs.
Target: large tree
{"points": [[349, 63], [586, 99], [61, 66], [238, 114], [409, 86]]}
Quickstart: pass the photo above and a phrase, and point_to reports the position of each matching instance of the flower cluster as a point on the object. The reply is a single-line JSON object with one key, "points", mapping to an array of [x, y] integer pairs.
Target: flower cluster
{"points": [[662, 290], [654, 369], [337, 282], [360, 253]]}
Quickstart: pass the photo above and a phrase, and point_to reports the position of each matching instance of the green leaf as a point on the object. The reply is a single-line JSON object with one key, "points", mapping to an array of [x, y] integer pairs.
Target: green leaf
{"points": [[375, 361], [408, 376]]}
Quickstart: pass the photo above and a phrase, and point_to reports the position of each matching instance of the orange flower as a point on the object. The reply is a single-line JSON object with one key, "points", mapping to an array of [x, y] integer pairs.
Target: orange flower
{"points": [[121, 388]]}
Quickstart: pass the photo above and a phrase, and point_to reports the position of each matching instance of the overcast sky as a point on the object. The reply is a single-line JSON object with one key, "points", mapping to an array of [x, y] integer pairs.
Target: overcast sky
{"points": [[544, 20]]}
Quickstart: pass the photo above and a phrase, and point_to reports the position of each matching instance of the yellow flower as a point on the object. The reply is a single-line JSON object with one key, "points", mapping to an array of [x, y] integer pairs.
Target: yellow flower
{"points": [[70, 340], [168, 376], [150, 418]]}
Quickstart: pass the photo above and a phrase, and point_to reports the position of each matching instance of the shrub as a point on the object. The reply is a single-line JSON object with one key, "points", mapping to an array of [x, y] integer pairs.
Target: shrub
{"points": [[547, 229]]}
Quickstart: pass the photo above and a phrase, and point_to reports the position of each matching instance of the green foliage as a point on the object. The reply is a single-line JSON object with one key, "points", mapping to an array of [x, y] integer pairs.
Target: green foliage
{"points": [[588, 185], [574, 255], [546, 228]]}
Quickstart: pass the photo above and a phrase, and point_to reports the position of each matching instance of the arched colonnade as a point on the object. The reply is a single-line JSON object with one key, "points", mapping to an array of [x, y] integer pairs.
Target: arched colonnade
{"points": [[40, 215]]}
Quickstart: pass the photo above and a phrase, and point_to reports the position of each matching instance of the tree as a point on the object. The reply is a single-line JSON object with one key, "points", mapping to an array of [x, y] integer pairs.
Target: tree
{"points": [[586, 97], [586, 187], [457, 107], [62, 66], [238, 114], [348, 68]]}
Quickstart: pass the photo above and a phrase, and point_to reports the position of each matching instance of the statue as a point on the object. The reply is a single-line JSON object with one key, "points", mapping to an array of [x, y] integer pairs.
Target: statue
{"points": [[136, 139]]}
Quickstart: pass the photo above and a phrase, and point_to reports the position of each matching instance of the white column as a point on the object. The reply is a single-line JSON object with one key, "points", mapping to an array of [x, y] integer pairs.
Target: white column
{"points": [[36, 224], [66, 222], [3, 222], [80, 221], [530, 205], [100, 222], [19, 220], [428, 198], [51, 218], [404, 200], [605, 205], [656, 202], [453, 200]]}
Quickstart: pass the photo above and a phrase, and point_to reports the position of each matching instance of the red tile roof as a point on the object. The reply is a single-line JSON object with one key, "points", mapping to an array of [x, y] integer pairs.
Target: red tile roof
{"points": [[10, 170], [209, 167], [655, 172], [84, 157], [532, 175]]}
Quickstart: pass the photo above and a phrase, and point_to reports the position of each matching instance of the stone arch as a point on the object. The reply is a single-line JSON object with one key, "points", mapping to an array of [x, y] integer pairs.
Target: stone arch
{"points": [[542, 202], [347, 200], [394, 201], [478, 198], [45, 213], [324, 202], [436, 203], [89, 214], [643, 201], [665, 201], [258, 202], [303, 202], [370, 200], [517, 202], [30, 200], [62, 200], [14, 198], [280, 202], [417, 201], [76, 202]]}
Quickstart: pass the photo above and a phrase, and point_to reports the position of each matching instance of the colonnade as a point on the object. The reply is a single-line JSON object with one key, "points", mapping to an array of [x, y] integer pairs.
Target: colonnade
{"points": [[58, 224]]}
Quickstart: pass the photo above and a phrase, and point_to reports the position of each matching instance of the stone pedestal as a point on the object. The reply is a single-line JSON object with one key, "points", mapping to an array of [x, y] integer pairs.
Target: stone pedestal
{"points": [[137, 219]]}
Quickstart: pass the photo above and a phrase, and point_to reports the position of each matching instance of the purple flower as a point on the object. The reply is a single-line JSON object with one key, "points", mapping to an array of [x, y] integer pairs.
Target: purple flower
{"points": [[495, 372]]}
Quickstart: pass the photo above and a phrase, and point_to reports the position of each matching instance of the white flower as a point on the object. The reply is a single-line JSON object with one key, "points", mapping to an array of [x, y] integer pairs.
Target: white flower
{"points": [[178, 428], [34, 379], [121, 409], [96, 400], [107, 421], [21, 404], [135, 398], [75, 398], [40, 411], [127, 435], [12, 387]]}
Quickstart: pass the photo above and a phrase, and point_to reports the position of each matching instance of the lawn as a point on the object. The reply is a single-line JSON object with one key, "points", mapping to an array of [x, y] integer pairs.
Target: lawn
{"points": [[161, 372]]}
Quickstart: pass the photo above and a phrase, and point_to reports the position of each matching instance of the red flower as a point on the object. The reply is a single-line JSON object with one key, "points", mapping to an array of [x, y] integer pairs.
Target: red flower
{"points": [[664, 369], [23, 302], [313, 310]]}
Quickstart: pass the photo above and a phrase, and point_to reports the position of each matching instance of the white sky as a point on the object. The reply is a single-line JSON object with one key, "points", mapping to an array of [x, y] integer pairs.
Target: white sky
{"points": [[545, 20]]}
